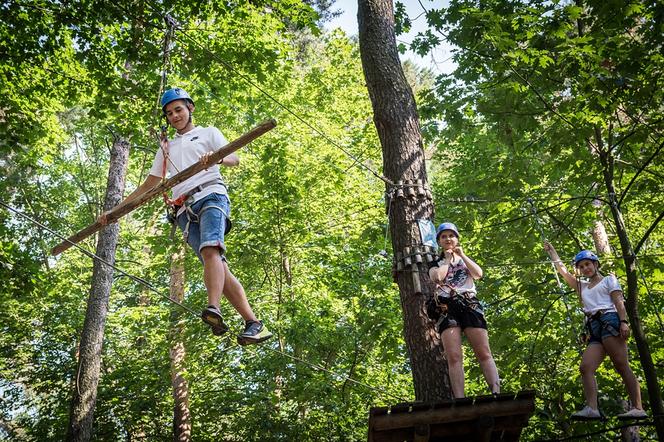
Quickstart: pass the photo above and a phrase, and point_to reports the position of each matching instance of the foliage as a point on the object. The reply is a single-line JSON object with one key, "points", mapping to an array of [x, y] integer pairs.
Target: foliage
{"points": [[512, 123], [517, 125]]}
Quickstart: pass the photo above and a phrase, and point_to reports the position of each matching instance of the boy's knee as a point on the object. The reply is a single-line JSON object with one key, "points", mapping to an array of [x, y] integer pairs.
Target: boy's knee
{"points": [[210, 253]]}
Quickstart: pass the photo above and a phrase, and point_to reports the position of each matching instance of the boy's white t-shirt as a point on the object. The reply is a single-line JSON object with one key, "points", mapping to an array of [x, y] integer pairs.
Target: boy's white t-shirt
{"points": [[187, 149], [599, 297]]}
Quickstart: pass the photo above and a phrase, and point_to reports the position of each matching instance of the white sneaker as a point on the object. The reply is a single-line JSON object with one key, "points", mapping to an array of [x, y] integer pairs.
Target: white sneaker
{"points": [[634, 413], [587, 413]]}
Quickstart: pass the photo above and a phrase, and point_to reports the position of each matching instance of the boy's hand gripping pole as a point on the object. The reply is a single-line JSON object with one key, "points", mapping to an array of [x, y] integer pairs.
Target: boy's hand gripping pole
{"points": [[190, 171]]}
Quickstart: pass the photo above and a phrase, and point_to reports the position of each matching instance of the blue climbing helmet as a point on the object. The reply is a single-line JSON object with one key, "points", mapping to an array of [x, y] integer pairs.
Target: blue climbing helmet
{"points": [[585, 254], [447, 226], [173, 94]]}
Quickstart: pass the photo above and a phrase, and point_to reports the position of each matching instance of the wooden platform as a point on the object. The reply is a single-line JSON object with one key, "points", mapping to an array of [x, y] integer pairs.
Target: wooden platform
{"points": [[481, 418]]}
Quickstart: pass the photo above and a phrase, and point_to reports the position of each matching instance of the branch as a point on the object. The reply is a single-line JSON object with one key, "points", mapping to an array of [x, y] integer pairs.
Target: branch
{"points": [[645, 236], [638, 172]]}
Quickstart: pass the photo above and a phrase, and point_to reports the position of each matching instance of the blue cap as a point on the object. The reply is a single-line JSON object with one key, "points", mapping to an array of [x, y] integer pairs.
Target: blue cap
{"points": [[173, 94], [585, 254], [447, 226]]}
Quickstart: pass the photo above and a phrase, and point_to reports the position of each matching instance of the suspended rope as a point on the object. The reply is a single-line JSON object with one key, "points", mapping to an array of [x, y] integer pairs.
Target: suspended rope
{"points": [[561, 288], [98, 258], [337, 375], [249, 81], [598, 432], [183, 306]]}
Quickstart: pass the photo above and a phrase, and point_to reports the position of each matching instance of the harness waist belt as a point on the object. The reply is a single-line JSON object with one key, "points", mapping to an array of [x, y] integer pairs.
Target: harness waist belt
{"points": [[598, 313], [200, 187]]}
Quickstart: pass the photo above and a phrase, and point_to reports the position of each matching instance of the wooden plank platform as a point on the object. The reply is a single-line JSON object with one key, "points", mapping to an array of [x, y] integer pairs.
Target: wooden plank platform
{"points": [[481, 418]]}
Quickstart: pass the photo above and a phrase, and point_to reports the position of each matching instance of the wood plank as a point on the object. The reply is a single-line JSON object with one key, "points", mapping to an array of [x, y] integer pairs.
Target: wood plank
{"points": [[453, 414], [190, 171]]}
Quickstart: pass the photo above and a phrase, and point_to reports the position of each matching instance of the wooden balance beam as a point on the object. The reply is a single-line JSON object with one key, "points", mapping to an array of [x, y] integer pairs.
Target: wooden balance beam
{"points": [[478, 419], [190, 171]]}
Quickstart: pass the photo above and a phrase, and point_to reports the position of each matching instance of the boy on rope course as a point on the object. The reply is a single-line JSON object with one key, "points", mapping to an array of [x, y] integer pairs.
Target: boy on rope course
{"points": [[456, 310], [607, 330], [201, 209]]}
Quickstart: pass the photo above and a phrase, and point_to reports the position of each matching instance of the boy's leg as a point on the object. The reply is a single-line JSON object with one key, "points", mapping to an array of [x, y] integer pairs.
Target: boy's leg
{"points": [[214, 274], [254, 330], [234, 292]]}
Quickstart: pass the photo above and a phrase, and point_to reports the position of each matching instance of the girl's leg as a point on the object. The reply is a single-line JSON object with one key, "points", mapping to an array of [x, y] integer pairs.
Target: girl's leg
{"points": [[451, 338], [591, 359], [479, 341], [616, 348]]}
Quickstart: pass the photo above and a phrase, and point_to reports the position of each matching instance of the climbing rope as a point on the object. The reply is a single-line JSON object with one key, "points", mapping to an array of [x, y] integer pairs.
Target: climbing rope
{"points": [[561, 288]]}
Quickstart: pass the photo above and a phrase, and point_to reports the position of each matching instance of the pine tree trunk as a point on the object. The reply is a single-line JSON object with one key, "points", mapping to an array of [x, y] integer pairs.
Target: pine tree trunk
{"points": [[181, 414], [397, 123], [87, 375]]}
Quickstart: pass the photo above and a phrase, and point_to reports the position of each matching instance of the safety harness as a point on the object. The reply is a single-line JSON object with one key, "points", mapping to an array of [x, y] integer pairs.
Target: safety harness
{"points": [[186, 199], [604, 324], [442, 302]]}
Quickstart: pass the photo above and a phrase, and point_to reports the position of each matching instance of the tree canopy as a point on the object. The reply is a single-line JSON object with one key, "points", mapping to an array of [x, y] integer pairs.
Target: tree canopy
{"points": [[514, 139]]}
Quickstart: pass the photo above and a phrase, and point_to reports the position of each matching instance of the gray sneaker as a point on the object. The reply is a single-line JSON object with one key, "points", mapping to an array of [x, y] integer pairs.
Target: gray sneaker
{"points": [[212, 317], [587, 414], [254, 333], [634, 413]]}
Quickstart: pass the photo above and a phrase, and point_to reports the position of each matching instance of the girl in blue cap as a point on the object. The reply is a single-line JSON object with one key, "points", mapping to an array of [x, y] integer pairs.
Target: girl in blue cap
{"points": [[606, 326], [454, 274]]}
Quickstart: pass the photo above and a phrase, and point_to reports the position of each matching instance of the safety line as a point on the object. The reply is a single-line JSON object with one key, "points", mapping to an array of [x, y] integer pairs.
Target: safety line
{"points": [[348, 378], [538, 223], [606, 430], [94, 256], [272, 98], [183, 306]]}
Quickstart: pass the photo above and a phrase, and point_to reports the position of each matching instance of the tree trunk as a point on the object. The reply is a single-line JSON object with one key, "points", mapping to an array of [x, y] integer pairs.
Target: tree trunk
{"points": [[631, 295], [92, 336], [601, 239], [181, 414], [397, 123]]}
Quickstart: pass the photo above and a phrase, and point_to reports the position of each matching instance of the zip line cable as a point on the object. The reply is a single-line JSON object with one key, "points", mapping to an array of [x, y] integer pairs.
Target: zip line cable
{"points": [[102, 260], [280, 104], [344, 377], [605, 430], [181, 305]]}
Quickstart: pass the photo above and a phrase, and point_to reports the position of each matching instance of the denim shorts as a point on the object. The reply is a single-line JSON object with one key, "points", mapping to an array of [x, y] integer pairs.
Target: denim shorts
{"points": [[208, 224], [603, 326]]}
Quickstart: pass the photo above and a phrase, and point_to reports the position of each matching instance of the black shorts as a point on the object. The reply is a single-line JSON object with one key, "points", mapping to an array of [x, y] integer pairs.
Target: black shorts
{"points": [[462, 314]]}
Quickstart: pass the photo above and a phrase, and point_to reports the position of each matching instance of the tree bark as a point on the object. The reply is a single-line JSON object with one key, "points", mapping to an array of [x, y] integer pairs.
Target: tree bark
{"points": [[632, 293], [397, 123], [92, 336], [181, 413]]}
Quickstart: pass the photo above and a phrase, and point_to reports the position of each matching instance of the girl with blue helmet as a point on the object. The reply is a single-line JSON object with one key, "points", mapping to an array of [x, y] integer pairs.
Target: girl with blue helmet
{"points": [[607, 328], [454, 274], [202, 209]]}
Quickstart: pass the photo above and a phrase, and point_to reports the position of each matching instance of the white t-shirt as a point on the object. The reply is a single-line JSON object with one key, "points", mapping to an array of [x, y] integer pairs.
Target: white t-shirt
{"points": [[599, 297], [185, 150]]}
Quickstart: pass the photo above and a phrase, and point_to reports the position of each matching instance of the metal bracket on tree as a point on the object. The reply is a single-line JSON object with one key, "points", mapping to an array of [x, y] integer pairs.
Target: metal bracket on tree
{"points": [[409, 189]]}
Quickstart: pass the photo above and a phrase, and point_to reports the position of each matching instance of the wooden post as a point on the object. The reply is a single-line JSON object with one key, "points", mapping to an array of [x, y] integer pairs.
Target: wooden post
{"points": [[190, 171]]}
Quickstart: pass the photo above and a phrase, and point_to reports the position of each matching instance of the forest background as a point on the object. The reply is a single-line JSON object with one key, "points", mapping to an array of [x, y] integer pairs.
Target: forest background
{"points": [[514, 126]]}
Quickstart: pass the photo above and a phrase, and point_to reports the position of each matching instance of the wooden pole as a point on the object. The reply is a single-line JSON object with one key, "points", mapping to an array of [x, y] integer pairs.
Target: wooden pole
{"points": [[190, 171]]}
